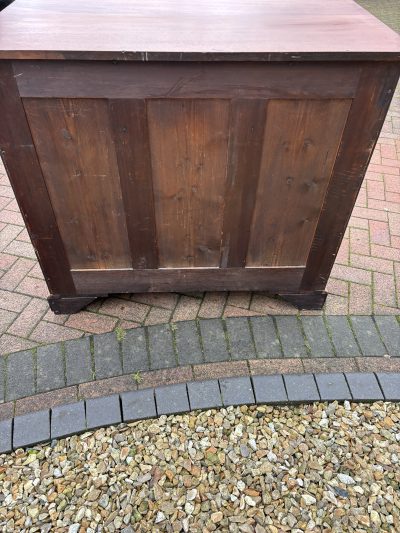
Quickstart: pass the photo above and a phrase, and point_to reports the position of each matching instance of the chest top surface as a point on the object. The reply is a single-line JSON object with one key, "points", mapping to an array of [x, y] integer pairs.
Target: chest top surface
{"points": [[194, 30]]}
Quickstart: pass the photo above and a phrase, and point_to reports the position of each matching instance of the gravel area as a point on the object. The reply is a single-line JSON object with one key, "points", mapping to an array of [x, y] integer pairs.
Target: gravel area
{"points": [[320, 467]]}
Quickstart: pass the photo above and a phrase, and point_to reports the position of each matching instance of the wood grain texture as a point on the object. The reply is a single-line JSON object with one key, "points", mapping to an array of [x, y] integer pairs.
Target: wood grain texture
{"points": [[72, 139], [245, 149], [201, 30], [131, 138], [300, 145], [92, 79], [189, 146], [22, 165], [366, 117], [187, 279]]}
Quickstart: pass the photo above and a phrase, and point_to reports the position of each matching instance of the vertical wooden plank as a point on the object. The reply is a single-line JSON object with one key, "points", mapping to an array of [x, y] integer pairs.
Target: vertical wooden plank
{"points": [[189, 141], [20, 159], [367, 114], [131, 136], [244, 156], [300, 145], [77, 156]]}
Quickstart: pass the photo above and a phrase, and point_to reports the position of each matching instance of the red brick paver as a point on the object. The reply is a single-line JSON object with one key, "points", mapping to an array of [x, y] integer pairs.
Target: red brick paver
{"points": [[365, 278]]}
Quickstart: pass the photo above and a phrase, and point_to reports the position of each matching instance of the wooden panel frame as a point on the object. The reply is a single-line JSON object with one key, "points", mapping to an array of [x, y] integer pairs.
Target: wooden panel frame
{"points": [[302, 285], [23, 168], [131, 80], [365, 120], [188, 279]]}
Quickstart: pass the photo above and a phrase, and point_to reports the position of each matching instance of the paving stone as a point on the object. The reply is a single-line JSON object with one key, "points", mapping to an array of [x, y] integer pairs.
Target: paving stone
{"points": [[162, 353], [137, 405], [389, 329], [214, 340], [20, 375], [103, 411], [188, 343], [31, 429], [135, 357], [2, 378], [171, 399], [107, 359], [265, 337], [236, 391], [240, 339], [204, 394], [269, 389], [50, 368], [6, 435], [291, 336], [333, 386], [317, 336], [390, 384], [301, 387], [364, 386], [367, 335], [342, 336], [68, 420], [78, 361]]}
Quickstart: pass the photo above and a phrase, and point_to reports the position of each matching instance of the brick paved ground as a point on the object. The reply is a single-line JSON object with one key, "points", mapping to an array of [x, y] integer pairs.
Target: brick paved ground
{"points": [[365, 279]]}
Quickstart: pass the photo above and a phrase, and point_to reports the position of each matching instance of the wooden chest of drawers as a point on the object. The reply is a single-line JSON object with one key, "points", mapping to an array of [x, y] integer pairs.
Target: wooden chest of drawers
{"points": [[190, 146]]}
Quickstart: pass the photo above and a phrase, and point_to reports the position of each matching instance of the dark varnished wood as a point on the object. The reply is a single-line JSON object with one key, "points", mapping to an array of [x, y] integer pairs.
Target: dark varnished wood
{"points": [[306, 300], [174, 30], [366, 117], [188, 279], [21, 162], [247, 124], [61, 305], [75, 149], [300, 145], [85, 79], [222, 150], [131, 138], [189, 142]]}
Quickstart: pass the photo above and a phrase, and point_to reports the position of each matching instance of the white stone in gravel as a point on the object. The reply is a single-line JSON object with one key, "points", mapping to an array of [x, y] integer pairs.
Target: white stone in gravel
{"points": [[74, 528], [160, 517], [250, 501], [189, 507], [191, 495], [253, 444], [80, 514], [344, 478], [307, 499], [271, 457], [240, 485]]}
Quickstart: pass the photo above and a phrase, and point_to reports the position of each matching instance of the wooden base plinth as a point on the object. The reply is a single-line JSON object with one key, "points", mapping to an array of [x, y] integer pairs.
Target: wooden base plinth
{"points": [[313, 300], [73, 304], [68, 305]]}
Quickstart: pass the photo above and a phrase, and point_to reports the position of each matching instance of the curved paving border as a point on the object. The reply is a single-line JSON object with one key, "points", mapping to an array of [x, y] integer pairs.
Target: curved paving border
{"points": [[137, 352], [62, 421]]}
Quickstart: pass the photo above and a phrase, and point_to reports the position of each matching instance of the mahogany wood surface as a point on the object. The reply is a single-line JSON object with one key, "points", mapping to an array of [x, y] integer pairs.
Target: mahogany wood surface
{"points": [[193, 29], [225, 152]]}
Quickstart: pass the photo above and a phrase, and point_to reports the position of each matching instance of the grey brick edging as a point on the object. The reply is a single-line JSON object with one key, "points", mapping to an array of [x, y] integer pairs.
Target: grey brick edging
{"points": [[165, 346], [285, 389]]}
